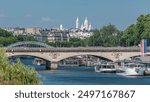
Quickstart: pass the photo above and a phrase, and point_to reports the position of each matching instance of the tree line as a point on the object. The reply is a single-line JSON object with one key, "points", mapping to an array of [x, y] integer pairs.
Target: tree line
{"points": [[7, 38], [110, 36]]}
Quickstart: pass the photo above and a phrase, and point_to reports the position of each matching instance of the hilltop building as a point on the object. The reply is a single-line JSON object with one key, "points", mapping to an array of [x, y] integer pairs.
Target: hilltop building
{"points": [[81, 31], [84, 26]]}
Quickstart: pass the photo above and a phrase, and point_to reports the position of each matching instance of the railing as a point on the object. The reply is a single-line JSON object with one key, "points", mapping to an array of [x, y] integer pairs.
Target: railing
{"points": [[29, 44], [77, 49]]}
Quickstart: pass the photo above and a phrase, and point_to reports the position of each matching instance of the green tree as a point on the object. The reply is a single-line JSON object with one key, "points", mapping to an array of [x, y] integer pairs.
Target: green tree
{"points": [[17, 73], [107, 36], [25, 38], [5, 41], [130, 36], [4, 33], [135, 32]]}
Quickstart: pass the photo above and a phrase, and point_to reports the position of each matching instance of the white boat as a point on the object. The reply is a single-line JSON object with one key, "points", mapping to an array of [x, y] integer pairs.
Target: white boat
{"points": [[134, 69], [105, 68]]}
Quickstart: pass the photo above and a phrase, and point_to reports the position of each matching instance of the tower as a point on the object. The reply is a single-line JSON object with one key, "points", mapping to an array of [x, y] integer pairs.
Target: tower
{"points": [[86, 24], [77, 23], [61, 27], [90, 27], [82, 27]]}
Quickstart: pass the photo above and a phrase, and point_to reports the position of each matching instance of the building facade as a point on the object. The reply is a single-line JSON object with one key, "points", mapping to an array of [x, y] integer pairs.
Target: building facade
{"points": [[33, 30], [54, 35]]}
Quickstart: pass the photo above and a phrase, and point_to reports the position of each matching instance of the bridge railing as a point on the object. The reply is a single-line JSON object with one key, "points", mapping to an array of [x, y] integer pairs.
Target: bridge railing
{"points": [[72, 49], [29, 44]]}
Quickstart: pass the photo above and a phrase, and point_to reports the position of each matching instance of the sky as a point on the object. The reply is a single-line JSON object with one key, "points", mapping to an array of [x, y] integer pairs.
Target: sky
{"points": [[52, 13]]}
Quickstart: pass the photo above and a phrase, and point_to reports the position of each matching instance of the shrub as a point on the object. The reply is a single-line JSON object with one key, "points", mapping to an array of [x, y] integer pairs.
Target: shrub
{"points": [[16, 74]]}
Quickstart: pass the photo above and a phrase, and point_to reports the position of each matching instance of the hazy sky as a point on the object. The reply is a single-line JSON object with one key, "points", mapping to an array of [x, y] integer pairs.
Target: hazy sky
{"points": [[52, 13]]}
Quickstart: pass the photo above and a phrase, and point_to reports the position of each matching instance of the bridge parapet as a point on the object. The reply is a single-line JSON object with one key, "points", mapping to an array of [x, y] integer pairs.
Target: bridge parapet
{"points": [[77, 49]]}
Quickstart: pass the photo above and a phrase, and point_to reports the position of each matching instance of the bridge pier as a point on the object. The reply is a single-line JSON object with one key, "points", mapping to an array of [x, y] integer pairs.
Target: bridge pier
{"points": [[51, 65], [54, 65], [48, 65]]}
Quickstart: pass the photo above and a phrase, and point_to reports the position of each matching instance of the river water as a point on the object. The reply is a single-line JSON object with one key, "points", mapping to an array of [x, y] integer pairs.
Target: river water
{"points": [[84, 76]]}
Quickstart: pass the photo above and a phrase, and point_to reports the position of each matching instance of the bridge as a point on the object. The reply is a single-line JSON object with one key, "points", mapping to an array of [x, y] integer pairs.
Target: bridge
{"points": [[53, 55]]}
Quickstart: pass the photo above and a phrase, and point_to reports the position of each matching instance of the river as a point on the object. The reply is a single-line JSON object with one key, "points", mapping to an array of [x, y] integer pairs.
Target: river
{"points": [[84, 76]]}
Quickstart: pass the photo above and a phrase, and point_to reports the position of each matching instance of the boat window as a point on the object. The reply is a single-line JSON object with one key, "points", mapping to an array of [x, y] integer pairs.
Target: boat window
{"points": [[132, 65], [109, 66]]}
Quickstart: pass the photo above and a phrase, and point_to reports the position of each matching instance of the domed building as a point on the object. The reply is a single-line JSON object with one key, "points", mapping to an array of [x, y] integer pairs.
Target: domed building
{"points": [[84, 26]]}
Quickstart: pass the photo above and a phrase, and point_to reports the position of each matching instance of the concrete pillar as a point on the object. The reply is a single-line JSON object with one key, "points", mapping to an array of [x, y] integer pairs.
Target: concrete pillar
{"points": [[48, 65], [54, 65]]}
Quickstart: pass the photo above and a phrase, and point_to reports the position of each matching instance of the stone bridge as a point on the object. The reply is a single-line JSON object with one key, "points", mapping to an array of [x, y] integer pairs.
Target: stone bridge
{"points": [[54, 55]]}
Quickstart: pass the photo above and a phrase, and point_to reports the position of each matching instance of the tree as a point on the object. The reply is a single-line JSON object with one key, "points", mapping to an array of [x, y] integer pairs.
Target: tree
{"points": [[25, 38], [130, 36], [106, 36], [5, 41], [17, 73], [4, 33], [136, 32]]}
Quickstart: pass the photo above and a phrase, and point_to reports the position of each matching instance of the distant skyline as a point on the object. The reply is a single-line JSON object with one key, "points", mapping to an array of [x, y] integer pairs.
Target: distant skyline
{"points": [[52, 13]]}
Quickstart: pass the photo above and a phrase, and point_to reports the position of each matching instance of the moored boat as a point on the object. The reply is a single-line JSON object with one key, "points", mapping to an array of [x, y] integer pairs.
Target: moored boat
{"points": [[105, 68], [134, 69]]}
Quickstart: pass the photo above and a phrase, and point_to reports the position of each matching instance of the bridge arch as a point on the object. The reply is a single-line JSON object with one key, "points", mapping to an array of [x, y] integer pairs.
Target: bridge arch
{"points": [[129, 55], [136, 55], [48, 63], [29, 54], [107, 57], [29, 44]]}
